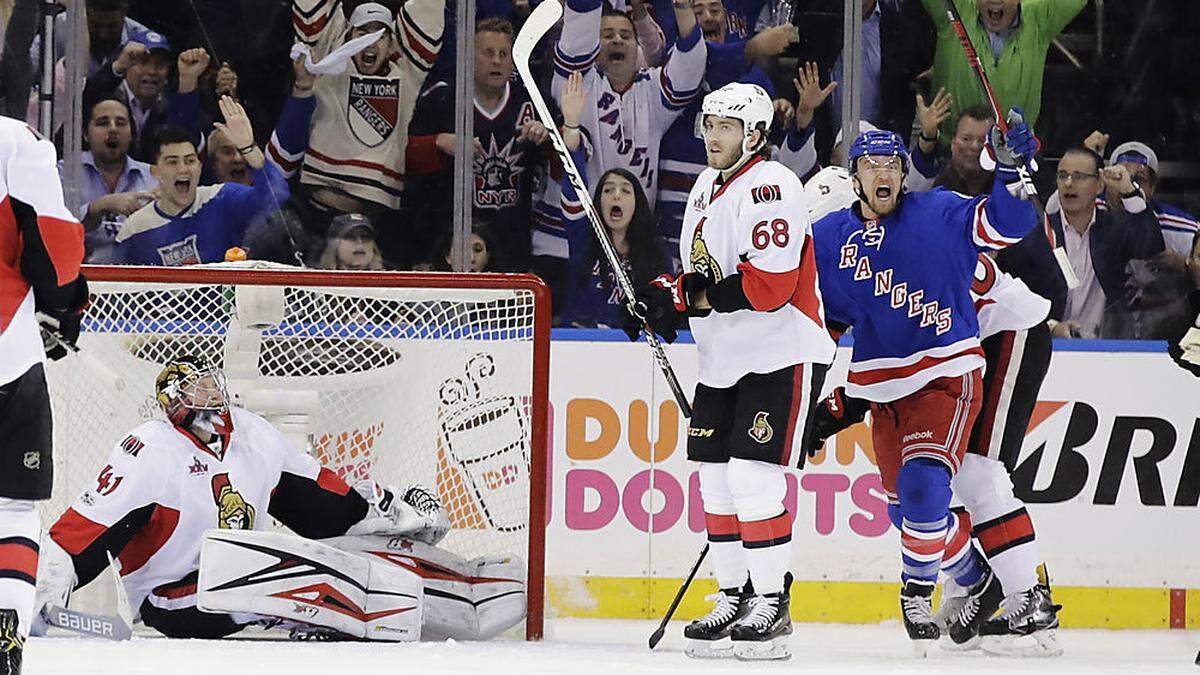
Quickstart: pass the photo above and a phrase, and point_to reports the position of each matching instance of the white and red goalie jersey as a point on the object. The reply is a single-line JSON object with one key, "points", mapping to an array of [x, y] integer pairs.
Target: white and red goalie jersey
{"points": [[359, 130], [161, 488], [751, 236]]}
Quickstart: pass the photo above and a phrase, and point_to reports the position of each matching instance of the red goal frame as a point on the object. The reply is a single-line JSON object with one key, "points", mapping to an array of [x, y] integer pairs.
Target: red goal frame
{"points": [[539, 431]]}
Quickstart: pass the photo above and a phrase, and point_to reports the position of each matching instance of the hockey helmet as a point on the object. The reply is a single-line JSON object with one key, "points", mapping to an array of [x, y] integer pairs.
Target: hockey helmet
{"points": [[749, 103], [878, 143], [831, 189], [191, 385]]}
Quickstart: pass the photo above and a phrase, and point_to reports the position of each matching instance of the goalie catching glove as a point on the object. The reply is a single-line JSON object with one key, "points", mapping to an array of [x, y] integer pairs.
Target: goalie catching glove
{"points": [[415, 512]]}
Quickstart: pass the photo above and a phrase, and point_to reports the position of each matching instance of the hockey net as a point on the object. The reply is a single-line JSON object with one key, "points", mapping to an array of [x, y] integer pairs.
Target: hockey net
{"points": [[438, 379]]}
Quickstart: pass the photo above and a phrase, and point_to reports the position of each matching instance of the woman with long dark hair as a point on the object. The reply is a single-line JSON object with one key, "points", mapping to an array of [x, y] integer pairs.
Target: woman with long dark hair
{"points": [[593, 297]]}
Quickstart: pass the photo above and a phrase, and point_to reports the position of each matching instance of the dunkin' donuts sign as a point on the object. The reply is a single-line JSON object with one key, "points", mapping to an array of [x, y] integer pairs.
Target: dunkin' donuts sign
{"points": [[1110, 469]]}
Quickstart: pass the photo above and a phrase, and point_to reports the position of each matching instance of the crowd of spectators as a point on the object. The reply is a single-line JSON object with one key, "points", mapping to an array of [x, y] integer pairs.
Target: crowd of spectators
{"points": [[335, 147]]}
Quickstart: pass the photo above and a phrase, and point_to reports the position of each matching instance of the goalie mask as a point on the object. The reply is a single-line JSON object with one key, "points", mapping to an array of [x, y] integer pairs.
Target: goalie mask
{"points": [[749, 103], [191, 391]]}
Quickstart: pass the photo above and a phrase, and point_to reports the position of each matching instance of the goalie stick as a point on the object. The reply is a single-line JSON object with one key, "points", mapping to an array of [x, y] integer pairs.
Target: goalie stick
{"points": [[543, 18], [985, 85], [93, 625]]}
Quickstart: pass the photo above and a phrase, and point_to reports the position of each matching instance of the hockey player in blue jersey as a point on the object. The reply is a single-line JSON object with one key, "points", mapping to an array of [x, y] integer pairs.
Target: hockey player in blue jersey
{"points": [[897, 268]]}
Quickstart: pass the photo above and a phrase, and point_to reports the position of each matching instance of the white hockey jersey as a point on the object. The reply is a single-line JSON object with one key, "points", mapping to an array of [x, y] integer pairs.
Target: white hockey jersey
{"points": [[29, 175], [756, 224], [170, 488], [359, 130], [1003, 302]]}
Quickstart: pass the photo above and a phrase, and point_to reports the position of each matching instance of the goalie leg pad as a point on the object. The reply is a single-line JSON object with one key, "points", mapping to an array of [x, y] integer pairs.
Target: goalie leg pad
{"points": [[284, 576], [474, 599]]}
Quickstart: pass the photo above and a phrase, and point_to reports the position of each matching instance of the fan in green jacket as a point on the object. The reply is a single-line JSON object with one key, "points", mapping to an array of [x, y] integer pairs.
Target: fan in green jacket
{"points": [[1011, 37]]}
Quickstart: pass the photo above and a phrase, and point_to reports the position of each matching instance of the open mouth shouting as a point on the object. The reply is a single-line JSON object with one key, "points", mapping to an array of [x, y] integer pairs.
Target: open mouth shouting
{"points": [[182, 187], [883, 194]]}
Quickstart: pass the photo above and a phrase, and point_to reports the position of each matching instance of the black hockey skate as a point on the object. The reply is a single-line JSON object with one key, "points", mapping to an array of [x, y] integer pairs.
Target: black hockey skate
{"points": [[763, 633], [1027, 626], [11, 643], [916, 606], [709, 636], [983, 599]]}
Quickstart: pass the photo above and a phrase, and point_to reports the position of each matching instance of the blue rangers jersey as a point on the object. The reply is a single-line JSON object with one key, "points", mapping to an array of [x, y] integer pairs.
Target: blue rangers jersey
{"points": [[903, 283]]}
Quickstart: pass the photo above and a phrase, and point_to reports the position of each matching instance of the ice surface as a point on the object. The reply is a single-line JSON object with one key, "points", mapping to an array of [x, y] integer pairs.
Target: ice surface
{"points": [[581, 646]]}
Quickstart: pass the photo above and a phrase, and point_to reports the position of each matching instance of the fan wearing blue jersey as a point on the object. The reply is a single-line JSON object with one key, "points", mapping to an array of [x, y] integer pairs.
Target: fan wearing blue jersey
{"points": [[189, 224], [897, 268]]}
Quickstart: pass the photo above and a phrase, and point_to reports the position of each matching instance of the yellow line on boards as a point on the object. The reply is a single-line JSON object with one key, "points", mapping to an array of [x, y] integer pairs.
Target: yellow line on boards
{"points": [[847, 601]]}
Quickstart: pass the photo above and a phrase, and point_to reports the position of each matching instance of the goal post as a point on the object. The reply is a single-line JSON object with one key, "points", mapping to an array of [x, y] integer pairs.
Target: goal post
{"points": [[401, 377]]}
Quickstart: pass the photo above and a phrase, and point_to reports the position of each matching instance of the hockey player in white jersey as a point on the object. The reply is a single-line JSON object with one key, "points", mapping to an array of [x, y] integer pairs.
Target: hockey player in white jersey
{"points": [[41, 247], [1016, 345], [749, 291], [183, 505]]}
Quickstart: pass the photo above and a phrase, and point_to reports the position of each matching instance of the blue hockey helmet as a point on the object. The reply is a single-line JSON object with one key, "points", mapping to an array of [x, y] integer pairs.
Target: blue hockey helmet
{"points": [[878, 143]]}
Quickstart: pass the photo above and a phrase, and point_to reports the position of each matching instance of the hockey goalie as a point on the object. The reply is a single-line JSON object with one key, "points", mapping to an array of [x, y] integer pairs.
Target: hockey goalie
{"points": [[182, 506]]}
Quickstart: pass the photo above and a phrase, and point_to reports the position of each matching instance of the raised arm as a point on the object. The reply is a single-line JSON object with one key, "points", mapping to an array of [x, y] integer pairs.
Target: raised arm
{"points": [[1000, 219], [683, 71], [421, 24], [579, 43], [289, 141]]}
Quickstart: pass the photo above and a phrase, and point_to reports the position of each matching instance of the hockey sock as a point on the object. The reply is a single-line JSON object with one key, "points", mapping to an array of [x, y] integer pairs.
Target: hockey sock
{"points": [[758, 490], [720, 519], [1001, 524], [960, 560], [19, 528], [923, 486], [1011, 548]]}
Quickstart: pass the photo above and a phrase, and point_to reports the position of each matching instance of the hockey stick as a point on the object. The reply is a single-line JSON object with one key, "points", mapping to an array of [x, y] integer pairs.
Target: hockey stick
{"points": [[543, 18], [662, 626], [985, 85], [94, 625], [53, 338]]}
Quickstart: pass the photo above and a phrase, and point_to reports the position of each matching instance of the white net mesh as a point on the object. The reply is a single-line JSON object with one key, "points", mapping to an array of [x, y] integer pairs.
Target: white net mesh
{"points": [[399, 384]]}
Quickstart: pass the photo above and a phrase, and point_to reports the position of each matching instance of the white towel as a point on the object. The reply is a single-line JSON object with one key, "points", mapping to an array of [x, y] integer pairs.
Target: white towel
{"points": [[335, 61]]}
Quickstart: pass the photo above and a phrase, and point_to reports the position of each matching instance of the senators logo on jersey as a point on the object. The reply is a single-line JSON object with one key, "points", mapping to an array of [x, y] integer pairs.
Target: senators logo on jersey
{"points": [[233, 513], [763, 194], [760, 429], [700, 258]]}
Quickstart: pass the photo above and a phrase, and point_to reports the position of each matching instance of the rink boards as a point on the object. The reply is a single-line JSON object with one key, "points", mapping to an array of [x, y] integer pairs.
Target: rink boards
{"points": [[1110, 469]]}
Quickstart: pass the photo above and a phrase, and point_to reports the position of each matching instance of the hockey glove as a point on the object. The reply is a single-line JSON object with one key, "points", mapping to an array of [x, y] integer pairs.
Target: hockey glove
{"points": [[414, 513], [668, 302], [1016, 148], [833, 414], [60, 325], [1186, 351], [633, 320]]}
